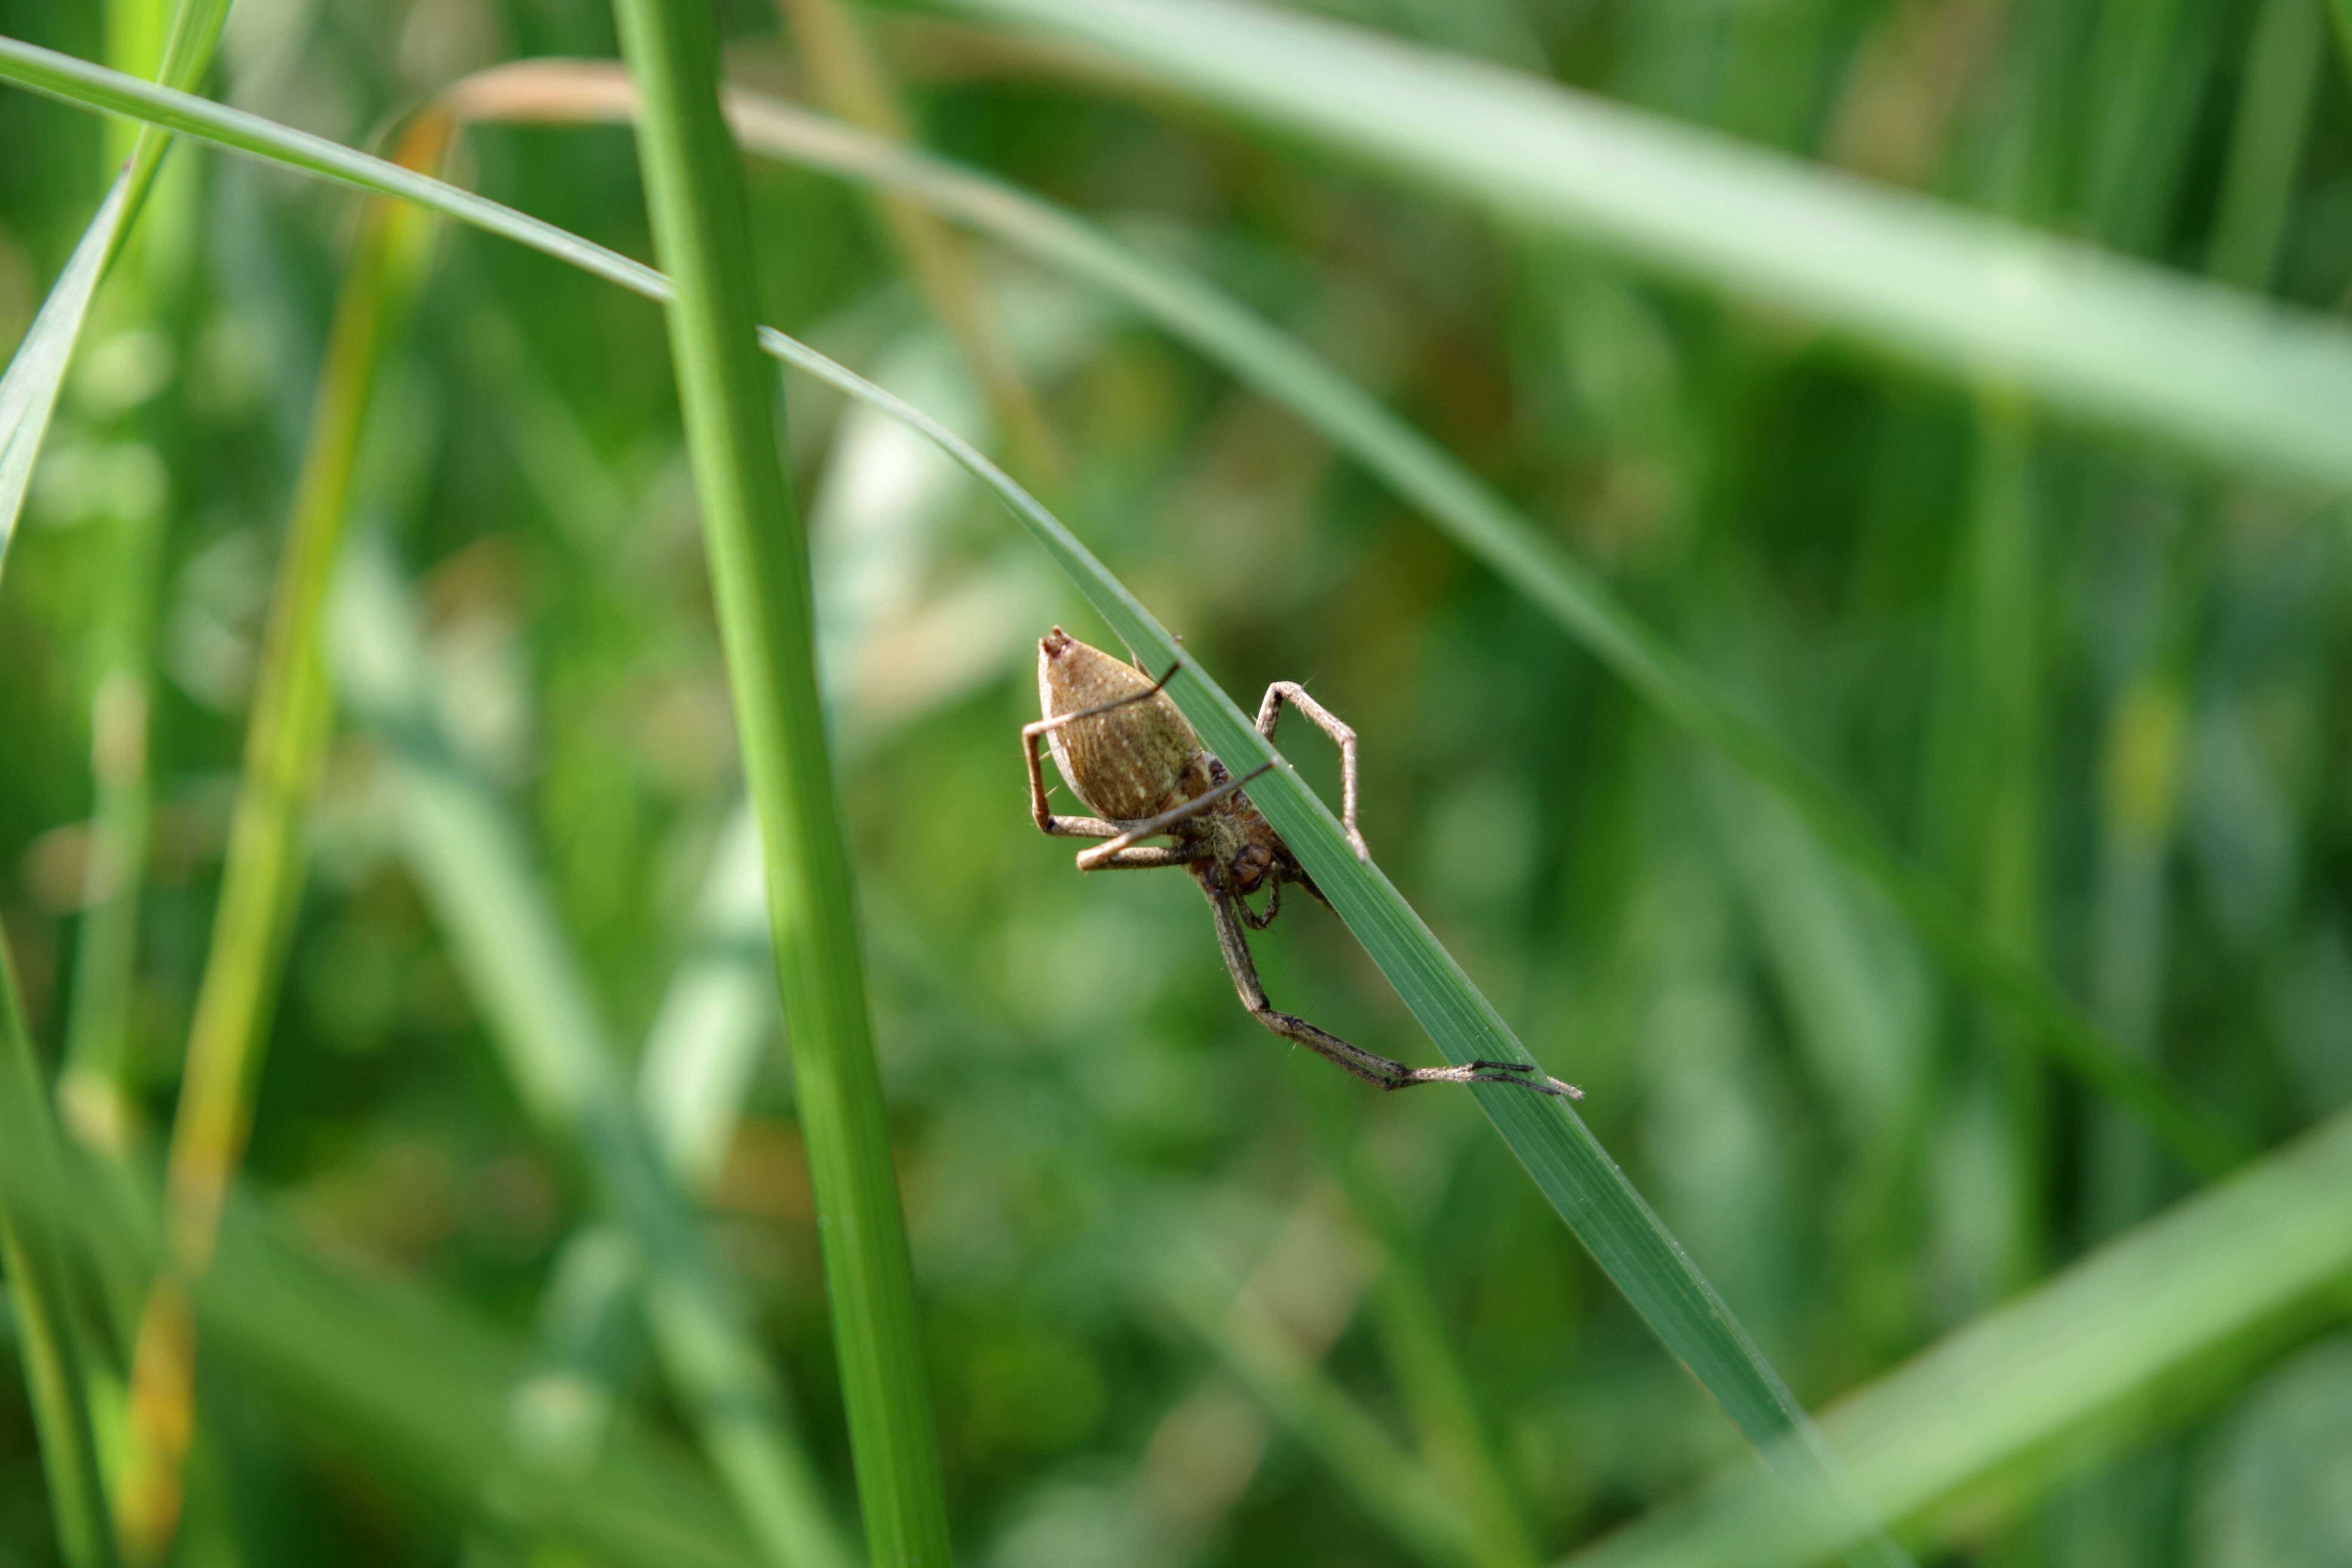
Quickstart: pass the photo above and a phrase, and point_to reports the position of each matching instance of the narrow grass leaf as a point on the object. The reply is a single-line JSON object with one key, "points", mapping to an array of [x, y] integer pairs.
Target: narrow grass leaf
{"points": [[28, 392], [1568, 1163], [1478, 520], [758, 554], [2116, 341]]}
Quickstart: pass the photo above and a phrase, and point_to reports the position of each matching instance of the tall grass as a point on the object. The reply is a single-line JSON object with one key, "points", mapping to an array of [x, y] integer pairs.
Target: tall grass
{"points": [[2083, 683]]}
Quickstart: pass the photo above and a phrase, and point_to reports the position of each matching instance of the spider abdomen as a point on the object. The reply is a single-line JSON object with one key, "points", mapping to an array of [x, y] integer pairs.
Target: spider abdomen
{"points": [[1131, 763]]}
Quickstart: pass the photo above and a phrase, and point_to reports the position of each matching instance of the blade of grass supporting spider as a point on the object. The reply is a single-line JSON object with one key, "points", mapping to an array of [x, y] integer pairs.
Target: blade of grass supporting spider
{"points": [[1966, 297], [41, 1292], [1477, 519], [2237, 1259], [760, 573], [1569, 1166], [413, 1384], [1568, 1163], [513, 954], [286, 736], [850, 81]]}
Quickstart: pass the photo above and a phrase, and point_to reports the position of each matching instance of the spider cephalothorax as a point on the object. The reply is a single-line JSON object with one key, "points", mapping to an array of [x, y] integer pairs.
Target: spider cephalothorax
{"points": [[1131, 755]]}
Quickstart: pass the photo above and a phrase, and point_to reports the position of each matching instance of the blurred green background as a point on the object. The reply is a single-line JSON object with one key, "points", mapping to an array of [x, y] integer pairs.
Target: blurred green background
{"points": [[2102, 689]]}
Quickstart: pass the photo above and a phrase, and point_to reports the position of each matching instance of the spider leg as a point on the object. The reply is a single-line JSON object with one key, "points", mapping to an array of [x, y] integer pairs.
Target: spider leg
{"points": [[1270, 714], [1090, 860], [1364, 1064], [1146, 858]]}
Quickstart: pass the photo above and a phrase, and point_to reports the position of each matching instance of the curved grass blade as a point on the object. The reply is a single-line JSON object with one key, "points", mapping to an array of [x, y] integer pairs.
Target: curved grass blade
{"points": [[1478, 520], [1568, 1163], [1965, 297]]}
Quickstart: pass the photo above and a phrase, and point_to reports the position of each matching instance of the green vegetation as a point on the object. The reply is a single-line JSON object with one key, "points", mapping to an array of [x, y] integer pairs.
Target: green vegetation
{"points": [[1969, 1002]]}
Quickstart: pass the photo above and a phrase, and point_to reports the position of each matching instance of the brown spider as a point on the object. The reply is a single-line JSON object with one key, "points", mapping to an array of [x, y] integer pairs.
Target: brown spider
{"points": [[1131, 755]]}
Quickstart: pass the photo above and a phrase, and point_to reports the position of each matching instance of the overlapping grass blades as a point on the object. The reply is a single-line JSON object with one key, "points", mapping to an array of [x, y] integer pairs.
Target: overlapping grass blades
{"points": [[1568, 1163], [2112, 340]]}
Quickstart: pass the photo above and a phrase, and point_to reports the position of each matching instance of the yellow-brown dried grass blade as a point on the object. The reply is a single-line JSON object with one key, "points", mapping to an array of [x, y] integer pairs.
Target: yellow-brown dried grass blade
{"points": [[262, 881]]}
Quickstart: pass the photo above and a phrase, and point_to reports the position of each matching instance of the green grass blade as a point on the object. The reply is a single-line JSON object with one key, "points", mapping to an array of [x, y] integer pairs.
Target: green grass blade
{"points": [[1568, 1163], [2114, 341], [40, 1291], [1423, 473], [514, 955], [2156, 1303], [28, 393], [759, 575]]}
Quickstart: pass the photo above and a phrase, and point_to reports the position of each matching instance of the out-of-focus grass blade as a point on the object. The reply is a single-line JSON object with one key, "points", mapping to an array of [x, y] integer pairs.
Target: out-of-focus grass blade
{"points": [[2155, 1303], [28, 393], [472, 864], [415, 1386], [704, 1041], [1477, 519], [38, 1288], [2113, 341], [1569, 1166]]}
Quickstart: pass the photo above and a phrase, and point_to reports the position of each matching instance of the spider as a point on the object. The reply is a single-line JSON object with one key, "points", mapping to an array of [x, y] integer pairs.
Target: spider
{"points": [[1129, 755]]}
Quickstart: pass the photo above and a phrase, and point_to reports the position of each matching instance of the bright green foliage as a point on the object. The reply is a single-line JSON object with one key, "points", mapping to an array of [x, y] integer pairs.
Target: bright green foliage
{"points": [[1878, 395]]}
